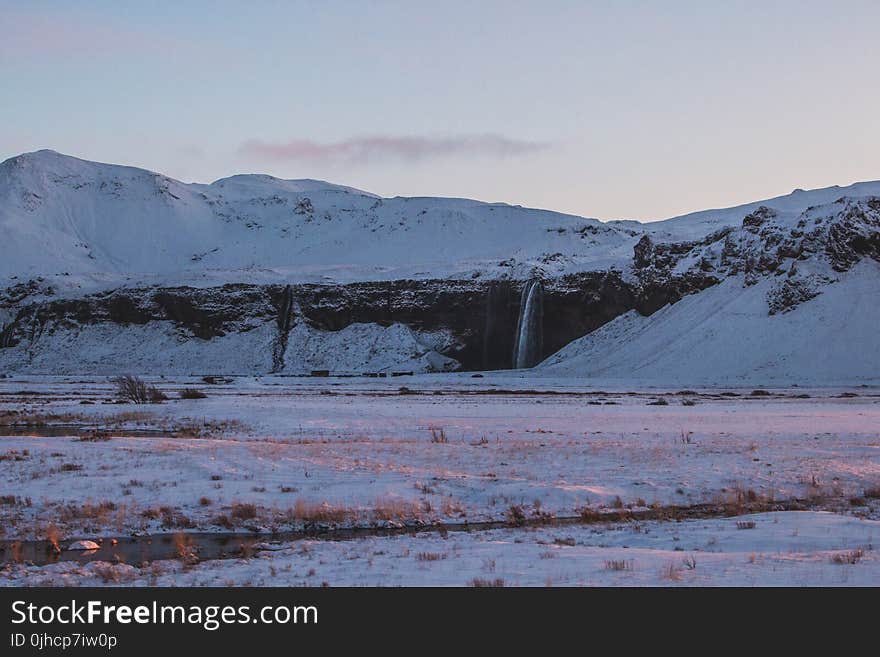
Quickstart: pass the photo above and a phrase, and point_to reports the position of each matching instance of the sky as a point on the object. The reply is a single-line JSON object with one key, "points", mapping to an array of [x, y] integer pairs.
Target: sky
{"points": [[619, 109]]}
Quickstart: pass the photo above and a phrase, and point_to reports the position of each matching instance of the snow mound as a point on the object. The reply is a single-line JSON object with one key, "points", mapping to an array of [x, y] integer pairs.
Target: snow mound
{"points": [[360, 348], [83, 545]]}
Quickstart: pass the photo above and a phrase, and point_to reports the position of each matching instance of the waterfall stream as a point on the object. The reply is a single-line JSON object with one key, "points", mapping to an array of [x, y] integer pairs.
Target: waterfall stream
{"points": [[529, 334]]}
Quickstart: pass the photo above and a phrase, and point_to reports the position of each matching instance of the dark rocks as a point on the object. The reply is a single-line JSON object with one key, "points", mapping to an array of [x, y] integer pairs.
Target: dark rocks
{"points": [[854, 234], [790, 293], [758, 218]]}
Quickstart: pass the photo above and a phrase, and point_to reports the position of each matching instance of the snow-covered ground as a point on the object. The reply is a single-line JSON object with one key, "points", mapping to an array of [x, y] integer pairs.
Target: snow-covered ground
{"points": [[447, 448], [158, 348]]}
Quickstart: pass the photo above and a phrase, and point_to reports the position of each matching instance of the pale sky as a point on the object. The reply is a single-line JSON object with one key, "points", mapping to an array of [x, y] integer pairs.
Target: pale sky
{"points": [[605, 109]]}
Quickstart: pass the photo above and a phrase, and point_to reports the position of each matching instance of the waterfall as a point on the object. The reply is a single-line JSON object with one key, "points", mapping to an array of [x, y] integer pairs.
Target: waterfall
{"points": [[284, 320], [529, 339]]}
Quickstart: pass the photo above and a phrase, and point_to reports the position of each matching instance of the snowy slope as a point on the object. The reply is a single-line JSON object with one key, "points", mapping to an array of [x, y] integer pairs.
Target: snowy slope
{"points": [[63, 215], [724, 335]]}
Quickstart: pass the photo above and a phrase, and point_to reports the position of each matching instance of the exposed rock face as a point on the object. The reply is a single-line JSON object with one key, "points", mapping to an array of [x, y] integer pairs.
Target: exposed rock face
{"points": [[792, 292], [481, 316], [823, 241]]}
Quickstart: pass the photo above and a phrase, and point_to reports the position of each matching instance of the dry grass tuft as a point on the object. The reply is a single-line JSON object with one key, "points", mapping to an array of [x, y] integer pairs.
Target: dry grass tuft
{"points": [[850, 558], [395, 510], [208, 429], [515, 516], [671, 572], [303, 511], [97, 511], [496, 583], [186, 552], [243, 511], [438, 435], [192, 393], [53, 536]]}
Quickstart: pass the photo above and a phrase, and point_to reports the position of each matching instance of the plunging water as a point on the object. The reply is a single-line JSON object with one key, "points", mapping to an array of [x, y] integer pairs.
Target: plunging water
{"points": [[529, 335]]}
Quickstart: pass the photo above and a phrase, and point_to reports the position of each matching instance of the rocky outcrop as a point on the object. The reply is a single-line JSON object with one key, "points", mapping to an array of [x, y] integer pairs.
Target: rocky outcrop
{"points": [[479, 316], [803, 255]]}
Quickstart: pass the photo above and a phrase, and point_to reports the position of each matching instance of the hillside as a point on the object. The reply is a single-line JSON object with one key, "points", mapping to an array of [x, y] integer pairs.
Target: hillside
{"points": [[64, 216], [725, 336]]}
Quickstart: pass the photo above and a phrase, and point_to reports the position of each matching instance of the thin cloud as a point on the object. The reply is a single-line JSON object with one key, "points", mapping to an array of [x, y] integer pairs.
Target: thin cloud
{"points": [[361, 150]]}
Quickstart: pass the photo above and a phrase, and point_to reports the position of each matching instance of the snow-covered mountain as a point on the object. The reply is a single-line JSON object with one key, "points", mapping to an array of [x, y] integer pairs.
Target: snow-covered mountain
{"points": [[63, 215], [103, 264]]}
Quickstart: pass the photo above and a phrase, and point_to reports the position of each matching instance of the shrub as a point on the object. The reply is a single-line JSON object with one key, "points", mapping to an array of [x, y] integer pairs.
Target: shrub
{"points": [[223, 521], [134, 389], [244, 511], [848, 558], [192, 393], [516, 517], [873, 493]]}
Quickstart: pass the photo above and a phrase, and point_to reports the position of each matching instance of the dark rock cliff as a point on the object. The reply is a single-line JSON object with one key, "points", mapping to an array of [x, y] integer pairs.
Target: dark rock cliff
{"points": [[481, 316]]}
